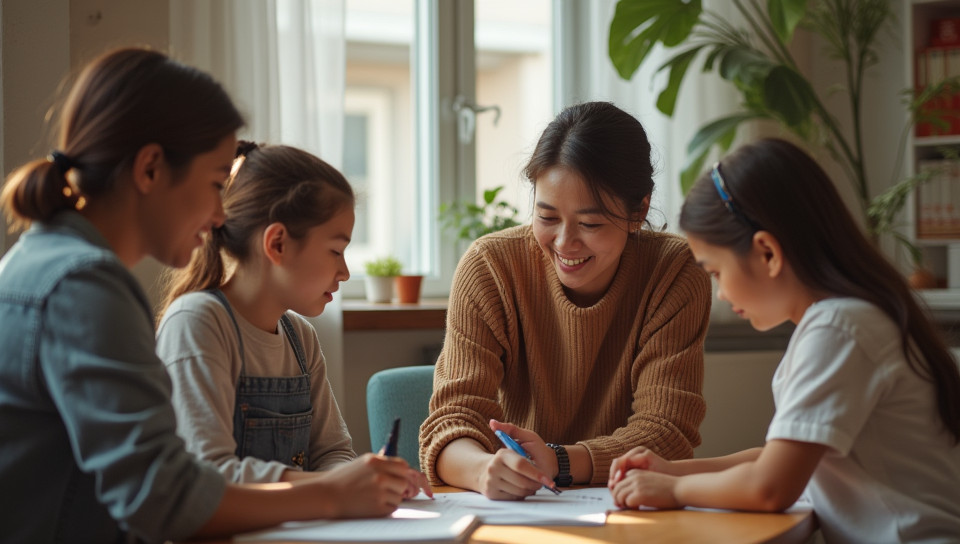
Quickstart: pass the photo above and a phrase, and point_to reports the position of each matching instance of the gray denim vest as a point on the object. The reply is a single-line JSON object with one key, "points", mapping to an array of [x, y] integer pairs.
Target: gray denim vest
{"points": [[272, 415]]}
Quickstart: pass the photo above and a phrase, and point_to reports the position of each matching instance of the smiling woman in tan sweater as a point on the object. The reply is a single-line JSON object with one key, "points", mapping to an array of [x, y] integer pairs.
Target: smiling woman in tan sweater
{"points": [[580, 336]]}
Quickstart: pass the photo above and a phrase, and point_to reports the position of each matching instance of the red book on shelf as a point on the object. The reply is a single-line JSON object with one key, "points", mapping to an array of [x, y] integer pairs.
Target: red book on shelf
{"points": [[934, 65], [945, 32]]}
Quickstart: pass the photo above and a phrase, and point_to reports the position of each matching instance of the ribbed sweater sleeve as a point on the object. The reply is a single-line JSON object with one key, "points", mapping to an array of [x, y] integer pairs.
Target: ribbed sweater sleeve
{"points": [[624, 372]]}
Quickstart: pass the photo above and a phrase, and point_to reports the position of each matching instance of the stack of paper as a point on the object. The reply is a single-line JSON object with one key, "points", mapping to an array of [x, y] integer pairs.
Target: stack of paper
{"points": [[451, 517]]}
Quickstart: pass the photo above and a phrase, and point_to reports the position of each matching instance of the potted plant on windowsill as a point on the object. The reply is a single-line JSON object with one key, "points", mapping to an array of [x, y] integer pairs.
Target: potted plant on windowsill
{"points": [[408, 288], [469, 221], [380, 278]]}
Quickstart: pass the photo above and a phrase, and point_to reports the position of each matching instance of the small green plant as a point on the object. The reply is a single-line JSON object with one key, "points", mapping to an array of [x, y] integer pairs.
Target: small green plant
{"points": [[384, 267], [470, 221]]}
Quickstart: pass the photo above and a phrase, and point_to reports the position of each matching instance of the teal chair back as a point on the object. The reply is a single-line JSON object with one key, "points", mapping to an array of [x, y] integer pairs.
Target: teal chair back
{"points": [[402, 392]]}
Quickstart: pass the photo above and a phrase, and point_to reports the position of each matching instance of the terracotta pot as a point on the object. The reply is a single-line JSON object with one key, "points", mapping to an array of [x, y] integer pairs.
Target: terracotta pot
{"points": [[922, 279], [408, 288]]}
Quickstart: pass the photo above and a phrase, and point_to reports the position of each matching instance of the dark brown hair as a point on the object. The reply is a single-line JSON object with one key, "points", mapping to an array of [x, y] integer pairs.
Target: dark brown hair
{"points": [[780, 188], [122, 101], [269, 184], [606, 146]]}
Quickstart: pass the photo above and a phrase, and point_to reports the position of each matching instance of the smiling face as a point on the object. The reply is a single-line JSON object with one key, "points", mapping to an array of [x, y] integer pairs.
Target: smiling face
{"points": [[315, 265], [583, 244], [744, 282], [186, 208]]}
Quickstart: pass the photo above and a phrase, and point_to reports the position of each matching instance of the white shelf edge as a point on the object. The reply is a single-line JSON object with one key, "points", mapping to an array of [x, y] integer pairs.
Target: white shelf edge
{"points": [[933, 141], [941, 299]]}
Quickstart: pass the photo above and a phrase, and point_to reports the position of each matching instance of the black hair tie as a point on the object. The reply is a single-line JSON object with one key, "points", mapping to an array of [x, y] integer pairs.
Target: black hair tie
{"points": [[244, 147], [62, 161]]}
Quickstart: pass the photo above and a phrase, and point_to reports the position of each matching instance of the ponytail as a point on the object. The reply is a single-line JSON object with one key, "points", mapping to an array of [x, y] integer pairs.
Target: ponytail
{"points": [[36, 191], [205, 271]]}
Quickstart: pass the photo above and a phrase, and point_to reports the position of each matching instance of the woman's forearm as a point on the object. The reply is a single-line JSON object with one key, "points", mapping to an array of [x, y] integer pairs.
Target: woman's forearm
{"points": [[460, 463]]}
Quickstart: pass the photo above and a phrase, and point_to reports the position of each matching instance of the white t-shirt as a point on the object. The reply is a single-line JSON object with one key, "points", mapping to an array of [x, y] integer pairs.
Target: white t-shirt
{"points": [[892, 473], [198, 344]]}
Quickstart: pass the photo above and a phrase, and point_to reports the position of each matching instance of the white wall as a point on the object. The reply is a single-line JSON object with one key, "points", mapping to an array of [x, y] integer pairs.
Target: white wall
{"points": [[739, 400], [367, 352], [34, 57]]}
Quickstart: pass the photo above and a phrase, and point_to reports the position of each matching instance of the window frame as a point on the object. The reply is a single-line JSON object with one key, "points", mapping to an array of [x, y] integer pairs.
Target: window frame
{"points": [[443, 66]]}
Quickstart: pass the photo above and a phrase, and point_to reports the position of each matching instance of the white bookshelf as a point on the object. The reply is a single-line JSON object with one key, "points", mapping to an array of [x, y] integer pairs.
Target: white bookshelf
{"points": [[938, 256]]}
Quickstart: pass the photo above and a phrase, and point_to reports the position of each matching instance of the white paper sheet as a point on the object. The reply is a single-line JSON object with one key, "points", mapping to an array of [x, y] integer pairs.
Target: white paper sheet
{"points": [[405, 525], [587, 506]]}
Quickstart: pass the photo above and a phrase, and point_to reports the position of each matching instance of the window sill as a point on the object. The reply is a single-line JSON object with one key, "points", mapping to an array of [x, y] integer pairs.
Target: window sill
{"points": [[360, 315], [431, 313]]}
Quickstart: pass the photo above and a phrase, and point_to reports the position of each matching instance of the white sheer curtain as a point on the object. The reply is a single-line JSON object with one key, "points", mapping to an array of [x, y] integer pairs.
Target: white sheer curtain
{"points": [[591, 76], [283, 62]]}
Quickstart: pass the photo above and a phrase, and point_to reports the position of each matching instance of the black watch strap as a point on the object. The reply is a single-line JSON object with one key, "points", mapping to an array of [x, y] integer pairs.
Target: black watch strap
{"points": [[563, 479]]}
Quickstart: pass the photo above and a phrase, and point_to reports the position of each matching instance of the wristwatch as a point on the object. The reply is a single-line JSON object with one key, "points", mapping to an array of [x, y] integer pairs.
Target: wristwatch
{"points": [[563, 479]]}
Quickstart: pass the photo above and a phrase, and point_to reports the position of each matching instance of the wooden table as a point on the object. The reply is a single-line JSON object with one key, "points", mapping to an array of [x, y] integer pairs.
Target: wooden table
{"points": [[669, 526], [663, 526]]}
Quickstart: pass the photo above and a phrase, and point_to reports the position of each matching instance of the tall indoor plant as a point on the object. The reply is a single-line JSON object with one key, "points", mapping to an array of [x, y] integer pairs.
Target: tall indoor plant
{"points": [[758, 62]]}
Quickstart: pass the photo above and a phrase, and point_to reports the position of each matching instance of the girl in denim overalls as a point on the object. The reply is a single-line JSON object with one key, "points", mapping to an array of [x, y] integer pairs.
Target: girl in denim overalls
{"points": [[250, 385]]}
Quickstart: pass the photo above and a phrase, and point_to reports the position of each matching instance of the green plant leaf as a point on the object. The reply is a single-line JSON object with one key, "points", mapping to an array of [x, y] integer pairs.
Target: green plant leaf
{"points": [[745, 66], [384, 266], [638, 25], [678, 65], [718, 132], [785, 16], [788, 95]]}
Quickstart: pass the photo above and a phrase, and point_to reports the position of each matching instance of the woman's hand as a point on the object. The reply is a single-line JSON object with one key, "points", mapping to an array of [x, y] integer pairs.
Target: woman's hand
{"points": [[637, 458], [641, 487], [369, 486], [508, 475]]}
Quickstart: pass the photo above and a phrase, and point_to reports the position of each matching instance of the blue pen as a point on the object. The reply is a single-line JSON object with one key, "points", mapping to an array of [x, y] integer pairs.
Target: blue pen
{"points": [[512, 444], [390, 444]]}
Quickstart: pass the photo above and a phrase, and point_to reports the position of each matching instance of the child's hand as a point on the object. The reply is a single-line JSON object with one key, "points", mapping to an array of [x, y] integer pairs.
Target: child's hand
{"points": [[369, 486], [637, 458], [645, 488], [416, 481]]}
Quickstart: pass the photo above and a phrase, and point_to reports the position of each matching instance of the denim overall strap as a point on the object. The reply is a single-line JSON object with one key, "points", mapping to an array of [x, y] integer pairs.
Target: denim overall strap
{"points": [[272, 415], [218, 294], [295, 343]]}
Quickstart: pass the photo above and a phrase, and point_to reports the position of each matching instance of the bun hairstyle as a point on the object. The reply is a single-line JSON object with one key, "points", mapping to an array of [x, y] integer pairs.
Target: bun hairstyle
{"points": [[606, 146], [269, 184], [120, 102]]}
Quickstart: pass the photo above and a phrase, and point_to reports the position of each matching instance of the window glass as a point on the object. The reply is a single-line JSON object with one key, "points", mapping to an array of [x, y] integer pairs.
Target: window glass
{"points": [[513, 72]]}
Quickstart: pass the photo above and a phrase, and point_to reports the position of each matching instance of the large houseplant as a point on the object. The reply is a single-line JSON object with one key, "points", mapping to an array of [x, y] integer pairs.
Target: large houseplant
{"points": [[758, 62]]}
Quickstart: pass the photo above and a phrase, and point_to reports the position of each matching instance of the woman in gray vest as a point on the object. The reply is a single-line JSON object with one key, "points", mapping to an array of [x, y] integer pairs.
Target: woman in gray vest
{"points": [[88, 444]]}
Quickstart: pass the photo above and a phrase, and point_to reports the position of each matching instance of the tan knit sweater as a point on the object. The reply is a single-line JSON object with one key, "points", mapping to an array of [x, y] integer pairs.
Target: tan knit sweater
{"points": [[625, 372]]}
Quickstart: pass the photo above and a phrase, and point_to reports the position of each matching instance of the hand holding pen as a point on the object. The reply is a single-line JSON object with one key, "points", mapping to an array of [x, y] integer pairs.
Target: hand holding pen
{"points": [[501, 430], [416, 480]]}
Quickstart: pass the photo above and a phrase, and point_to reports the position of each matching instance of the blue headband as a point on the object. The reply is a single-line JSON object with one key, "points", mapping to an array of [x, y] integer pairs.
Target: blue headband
{"points": [[721, 187]]}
